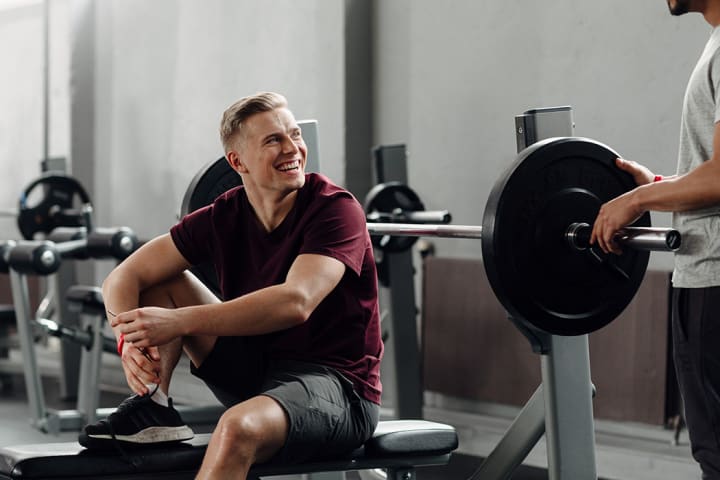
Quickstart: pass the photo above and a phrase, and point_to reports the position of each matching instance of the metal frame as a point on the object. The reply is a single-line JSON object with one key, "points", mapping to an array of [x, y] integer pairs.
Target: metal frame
{"points": [[390, 164], [561, 407], [42, 418], [565, 394]]}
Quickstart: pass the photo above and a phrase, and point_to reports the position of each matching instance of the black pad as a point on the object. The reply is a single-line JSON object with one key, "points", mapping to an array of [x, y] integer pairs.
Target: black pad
{"points": [[7, 314], [87, 299], [395, 444]]}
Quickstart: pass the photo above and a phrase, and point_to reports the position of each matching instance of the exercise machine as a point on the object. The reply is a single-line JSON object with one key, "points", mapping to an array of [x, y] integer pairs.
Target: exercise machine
{"points": [[44, 257], [392, 201], [52, 200]]}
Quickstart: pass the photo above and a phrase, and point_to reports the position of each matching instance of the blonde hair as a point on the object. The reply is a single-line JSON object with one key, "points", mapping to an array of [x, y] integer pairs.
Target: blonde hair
{"points": [[231, 124]]}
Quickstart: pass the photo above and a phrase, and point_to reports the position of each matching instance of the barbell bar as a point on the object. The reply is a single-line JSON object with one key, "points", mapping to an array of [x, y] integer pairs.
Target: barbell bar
{"points": [[535, 233], [577, 234]]}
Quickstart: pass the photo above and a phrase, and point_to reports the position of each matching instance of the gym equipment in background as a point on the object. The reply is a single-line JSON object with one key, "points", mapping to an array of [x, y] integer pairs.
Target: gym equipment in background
{"points": [[44, 257]]}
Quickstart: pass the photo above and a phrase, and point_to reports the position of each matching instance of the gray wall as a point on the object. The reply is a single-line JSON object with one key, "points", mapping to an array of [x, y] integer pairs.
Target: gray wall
{"points": [[446, 78], [22, 113], [166, 70]]}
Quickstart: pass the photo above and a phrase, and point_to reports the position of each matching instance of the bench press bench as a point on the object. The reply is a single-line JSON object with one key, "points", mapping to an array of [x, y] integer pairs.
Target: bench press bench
{"points": [[398, 446]]}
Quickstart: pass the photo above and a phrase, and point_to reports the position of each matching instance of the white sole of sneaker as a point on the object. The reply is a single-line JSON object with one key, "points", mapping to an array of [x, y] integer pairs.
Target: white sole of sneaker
{"points": [[153, 435]]}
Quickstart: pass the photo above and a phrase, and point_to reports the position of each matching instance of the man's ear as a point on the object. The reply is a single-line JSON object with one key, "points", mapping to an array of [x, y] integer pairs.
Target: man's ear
{"points": [[235, 163]]}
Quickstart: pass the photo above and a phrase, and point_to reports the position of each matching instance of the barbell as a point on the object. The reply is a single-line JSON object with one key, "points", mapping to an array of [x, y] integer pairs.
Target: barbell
{"points": [[535, 238]]}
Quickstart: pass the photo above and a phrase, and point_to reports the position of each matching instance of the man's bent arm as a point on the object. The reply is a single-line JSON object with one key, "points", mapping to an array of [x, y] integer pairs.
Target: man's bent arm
{"points": [[310, 279], [157, 260]]}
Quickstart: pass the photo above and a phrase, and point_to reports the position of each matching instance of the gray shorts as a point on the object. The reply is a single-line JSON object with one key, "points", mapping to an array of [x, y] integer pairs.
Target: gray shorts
{"points": [[327, 416]]}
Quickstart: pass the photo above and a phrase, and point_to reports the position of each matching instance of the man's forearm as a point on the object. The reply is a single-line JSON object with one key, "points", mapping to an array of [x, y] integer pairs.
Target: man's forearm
{"points": [[266, 310], [697, 189], [119, 295]]}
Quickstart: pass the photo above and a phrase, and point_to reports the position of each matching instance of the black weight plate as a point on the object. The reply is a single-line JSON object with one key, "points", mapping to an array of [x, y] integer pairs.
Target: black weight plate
{"points": [[386, 198], [214, 179], [51, 201], [540, 280]]}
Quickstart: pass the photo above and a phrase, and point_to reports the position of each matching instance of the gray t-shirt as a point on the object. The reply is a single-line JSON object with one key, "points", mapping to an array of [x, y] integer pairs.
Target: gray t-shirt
{"points": [[697, 263]]}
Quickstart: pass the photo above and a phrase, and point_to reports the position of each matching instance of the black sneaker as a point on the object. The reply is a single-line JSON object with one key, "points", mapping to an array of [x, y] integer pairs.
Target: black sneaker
{"points": [[138, 421]]}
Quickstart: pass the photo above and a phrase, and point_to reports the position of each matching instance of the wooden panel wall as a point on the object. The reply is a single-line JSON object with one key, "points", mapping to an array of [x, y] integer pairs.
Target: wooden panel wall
{"points": [[471, 350], [6, 293]]}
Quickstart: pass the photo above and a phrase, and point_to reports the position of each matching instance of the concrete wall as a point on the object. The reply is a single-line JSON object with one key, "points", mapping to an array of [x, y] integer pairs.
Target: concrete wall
{"points": [[22, 98], [166, 70], [447, 79]]}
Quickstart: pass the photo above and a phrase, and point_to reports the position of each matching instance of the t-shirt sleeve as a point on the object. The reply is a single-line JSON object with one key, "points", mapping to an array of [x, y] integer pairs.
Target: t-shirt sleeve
{"points": [[714, 71], [338, 230], [192, 235]]}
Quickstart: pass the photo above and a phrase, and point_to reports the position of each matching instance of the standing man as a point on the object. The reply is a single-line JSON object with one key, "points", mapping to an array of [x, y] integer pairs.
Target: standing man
{"points": [[693, 194], [292, 348]]}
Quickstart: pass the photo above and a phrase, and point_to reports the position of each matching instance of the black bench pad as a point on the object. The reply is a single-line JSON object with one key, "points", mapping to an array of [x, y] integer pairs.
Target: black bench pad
{"points": [[395, 444], [87, 299], [7, 314]]}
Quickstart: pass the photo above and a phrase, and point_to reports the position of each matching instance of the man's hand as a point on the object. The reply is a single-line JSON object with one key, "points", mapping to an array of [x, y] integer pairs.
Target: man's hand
{"points": [[621, 211], [640, 173], [141, 367], [148, 326], [613, 216]]}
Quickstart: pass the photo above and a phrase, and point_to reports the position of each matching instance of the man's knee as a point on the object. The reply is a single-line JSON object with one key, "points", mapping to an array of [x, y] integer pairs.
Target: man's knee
{"points": [[255, 429]]}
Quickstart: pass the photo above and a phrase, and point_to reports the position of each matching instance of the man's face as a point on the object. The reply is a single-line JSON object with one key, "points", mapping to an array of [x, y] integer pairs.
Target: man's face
{"points": [[679, 7], [272, 154]]}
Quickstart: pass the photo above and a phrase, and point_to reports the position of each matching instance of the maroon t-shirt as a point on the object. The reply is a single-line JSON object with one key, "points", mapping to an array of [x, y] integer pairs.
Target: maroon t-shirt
{"points": [[344, 330]]}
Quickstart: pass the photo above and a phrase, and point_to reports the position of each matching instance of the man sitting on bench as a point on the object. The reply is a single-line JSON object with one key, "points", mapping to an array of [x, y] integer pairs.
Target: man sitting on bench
{"points": [[292, 348]]}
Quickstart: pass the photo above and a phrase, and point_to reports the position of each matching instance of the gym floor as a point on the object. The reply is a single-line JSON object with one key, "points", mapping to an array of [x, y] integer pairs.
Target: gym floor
{"points": [[624, 451]]}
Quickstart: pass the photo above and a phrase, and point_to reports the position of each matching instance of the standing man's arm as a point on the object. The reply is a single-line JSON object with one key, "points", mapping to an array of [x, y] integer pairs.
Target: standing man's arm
{"points": [[697, 189]]}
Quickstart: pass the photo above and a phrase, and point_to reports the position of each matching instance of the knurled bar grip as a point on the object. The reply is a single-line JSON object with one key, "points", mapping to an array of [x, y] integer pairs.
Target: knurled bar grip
{"points": [[640, 238]]}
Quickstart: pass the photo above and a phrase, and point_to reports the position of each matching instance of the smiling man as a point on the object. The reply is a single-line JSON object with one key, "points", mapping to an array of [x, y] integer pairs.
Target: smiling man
{"points": [[292, 348]]}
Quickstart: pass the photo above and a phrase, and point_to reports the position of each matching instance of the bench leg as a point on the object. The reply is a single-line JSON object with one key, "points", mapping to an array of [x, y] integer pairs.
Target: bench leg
{"points": [[325, 476], [401, 474]]}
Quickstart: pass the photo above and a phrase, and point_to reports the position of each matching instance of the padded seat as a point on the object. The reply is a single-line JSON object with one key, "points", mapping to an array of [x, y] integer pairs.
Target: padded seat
{"points": [[395, 445], [7, 315], [7, 321], [85, 299]]}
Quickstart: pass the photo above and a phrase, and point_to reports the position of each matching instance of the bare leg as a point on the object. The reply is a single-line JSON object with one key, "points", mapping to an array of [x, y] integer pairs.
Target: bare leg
{"points": [[247, 433], [181, 291], [250, 432]]}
